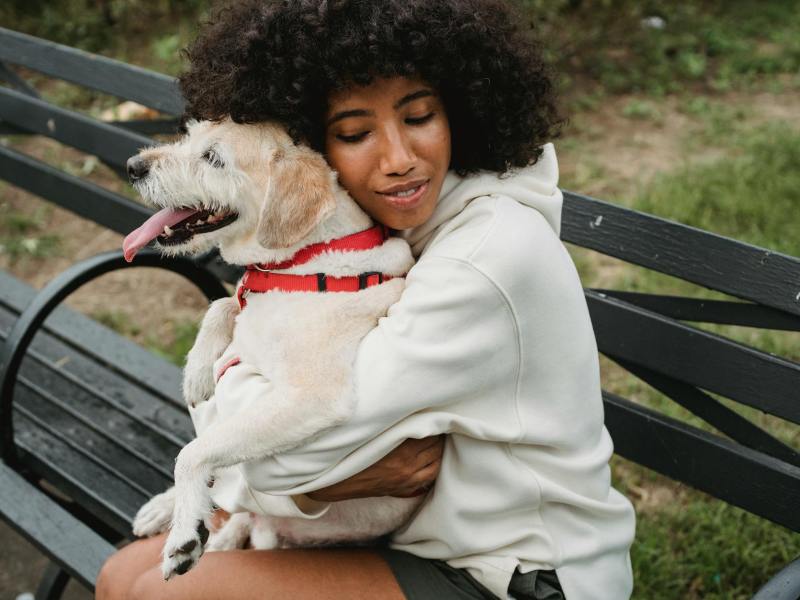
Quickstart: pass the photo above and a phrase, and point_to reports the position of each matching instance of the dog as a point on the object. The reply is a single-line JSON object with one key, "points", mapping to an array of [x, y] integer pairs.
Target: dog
{"points": [[277, 208]]}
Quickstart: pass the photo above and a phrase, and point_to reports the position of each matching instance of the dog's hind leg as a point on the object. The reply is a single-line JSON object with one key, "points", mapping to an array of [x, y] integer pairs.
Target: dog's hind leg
{"points": [[155, 515], [214, 336], [232, 535]]}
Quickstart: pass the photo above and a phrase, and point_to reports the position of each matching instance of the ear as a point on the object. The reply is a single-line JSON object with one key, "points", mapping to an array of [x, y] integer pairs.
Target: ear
{"points": [[299, 196]]}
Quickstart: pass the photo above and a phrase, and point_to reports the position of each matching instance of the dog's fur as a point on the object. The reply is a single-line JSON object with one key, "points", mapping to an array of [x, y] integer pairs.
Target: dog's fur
{"points": [[286, 197]]}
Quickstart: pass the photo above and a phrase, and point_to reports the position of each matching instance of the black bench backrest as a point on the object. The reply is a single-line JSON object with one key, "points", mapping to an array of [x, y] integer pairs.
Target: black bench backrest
{"points": [[644, 333], [21, 109]]}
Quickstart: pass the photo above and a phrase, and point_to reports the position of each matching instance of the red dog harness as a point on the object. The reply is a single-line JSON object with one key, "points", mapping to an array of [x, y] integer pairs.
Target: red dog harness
{"points": [[262, 278]]}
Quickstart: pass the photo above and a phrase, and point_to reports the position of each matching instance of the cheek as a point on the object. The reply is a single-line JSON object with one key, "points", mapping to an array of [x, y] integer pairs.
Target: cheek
{"points": [[352, 166], [434, 144]]}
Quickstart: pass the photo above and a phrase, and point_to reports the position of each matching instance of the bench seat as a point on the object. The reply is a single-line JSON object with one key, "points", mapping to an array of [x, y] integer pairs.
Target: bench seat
{"points": [[95, 414]]}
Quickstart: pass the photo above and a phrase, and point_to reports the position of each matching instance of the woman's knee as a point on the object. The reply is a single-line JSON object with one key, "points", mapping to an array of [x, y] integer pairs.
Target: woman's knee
{"points": [[121, 569], [110, 583]]}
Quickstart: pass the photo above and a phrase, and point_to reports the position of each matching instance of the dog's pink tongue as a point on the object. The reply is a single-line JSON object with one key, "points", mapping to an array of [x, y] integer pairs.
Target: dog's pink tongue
{"points": [[138, 239]]}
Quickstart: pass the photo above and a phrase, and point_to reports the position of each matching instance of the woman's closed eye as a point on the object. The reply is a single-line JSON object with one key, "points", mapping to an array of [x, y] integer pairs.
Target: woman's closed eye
{"points": [[357, 137]]}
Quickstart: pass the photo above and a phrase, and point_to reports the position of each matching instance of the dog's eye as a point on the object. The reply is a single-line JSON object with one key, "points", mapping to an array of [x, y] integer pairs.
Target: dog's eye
{"points": [[213, 158]]}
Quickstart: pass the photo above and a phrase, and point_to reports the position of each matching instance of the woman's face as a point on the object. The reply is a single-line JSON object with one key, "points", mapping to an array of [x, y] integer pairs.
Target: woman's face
{"points": [[390, 143]]}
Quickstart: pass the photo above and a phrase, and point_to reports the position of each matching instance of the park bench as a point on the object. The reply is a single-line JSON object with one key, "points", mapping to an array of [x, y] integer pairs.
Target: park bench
{"points": [[90, 423]]}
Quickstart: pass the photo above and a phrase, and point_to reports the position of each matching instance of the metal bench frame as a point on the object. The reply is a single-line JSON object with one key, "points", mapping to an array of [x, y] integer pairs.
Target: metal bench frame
{"points": [[648, 335]]}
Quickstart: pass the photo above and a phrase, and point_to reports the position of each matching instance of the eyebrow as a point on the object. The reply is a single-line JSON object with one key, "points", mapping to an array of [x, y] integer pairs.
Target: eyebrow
{"points": [[360, 112]]}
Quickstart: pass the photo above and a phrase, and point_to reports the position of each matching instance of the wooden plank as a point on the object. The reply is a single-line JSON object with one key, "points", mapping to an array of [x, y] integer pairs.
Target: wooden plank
{"points": [[714, 261], [716, 414], [113, 145], [709, 311], [705, 360], [80, 196], [745, 478], [76, 548], [93, 71], [109, 498]]}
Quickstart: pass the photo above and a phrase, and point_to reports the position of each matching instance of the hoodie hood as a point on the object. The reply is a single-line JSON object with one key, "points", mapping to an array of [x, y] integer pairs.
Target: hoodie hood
{"points": [[535, 186]]}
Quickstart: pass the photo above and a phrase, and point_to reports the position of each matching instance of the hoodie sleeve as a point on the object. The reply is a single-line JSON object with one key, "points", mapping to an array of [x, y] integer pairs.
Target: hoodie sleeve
{"points": [[446, 348]]}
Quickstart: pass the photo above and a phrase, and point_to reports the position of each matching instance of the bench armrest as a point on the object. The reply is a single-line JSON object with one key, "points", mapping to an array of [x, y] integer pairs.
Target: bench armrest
{"points": [[53, 294], [785, 585]]}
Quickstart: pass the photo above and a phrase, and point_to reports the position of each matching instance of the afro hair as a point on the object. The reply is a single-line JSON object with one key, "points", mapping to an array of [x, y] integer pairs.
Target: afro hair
{"points": [[257, 60]]}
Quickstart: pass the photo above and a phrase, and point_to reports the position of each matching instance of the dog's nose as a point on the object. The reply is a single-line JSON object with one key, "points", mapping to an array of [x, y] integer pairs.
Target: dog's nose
{"points": [[137, 168]]}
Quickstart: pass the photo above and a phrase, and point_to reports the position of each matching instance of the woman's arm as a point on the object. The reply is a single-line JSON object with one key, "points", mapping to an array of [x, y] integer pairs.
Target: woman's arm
{"points": [[408, 470]]}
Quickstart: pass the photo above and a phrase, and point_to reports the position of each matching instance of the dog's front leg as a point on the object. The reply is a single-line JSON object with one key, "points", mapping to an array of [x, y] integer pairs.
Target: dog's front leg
{"points": [[188, 532], [214, 336], [269, 423]]}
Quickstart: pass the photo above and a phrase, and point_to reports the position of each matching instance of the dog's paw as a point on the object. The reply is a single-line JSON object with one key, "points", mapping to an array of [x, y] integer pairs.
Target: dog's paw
{"points": [[183, 549], [155, 515], [198, 383]]}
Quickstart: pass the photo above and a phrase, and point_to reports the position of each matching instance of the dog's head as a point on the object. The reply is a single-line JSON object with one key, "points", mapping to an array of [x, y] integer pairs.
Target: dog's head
{"points": [[244, 188]]}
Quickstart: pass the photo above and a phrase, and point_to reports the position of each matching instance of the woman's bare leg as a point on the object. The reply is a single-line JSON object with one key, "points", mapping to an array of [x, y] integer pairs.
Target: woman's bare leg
{"points": [[134, 573], [125, 566]]}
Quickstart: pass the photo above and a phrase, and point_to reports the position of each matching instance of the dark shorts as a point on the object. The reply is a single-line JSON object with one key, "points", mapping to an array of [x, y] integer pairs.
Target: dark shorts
{"points": [[428, 579]]}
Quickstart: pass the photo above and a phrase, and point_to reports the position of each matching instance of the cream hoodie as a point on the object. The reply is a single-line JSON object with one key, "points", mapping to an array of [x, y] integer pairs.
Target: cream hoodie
{"points": [[491, 342]]}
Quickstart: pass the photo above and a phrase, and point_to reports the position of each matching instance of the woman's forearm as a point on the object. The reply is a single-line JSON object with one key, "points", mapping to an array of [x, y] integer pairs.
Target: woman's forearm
{"points": [[408, 470]]}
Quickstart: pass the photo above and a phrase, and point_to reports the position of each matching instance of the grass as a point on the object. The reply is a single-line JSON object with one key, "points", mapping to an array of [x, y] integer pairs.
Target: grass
{"points": [[172, 343], [704, 548], [23, 234], [177, 345], [754, 197]]}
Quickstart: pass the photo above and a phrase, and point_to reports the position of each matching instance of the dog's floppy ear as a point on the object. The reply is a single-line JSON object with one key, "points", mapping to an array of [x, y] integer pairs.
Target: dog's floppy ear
{"points": [[299, 195]]}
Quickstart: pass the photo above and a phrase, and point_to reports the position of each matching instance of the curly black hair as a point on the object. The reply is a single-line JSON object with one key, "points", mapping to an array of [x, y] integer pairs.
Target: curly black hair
{"points": [[257, 60]]}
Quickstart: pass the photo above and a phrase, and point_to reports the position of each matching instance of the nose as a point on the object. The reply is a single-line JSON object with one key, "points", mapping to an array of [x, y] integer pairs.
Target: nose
{"points": [[137, 168], [397, 157]]}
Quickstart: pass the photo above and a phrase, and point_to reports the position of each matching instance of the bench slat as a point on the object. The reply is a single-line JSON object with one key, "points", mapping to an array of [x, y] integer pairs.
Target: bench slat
{"points": [[58, 366], [748, 479], [76, 548], [82, 197], [111, 499], [708, 311], [698, 256], [91, 70], [713, 412], [89, 443], [111, 144], [705, 360]]}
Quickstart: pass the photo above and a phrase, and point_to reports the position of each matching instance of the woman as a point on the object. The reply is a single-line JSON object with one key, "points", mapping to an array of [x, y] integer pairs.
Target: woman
{"points": [[420, 106]]}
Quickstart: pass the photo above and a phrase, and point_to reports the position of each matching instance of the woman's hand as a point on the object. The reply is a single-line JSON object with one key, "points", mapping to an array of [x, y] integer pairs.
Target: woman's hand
{"points": [[408, 470]]}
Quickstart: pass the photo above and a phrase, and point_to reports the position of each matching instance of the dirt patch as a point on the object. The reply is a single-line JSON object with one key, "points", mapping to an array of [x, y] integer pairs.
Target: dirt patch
{"points": [[612, 155]]}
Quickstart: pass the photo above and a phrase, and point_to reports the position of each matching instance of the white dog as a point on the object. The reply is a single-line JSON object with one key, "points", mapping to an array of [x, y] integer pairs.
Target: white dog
{"points": [[275, 206]]}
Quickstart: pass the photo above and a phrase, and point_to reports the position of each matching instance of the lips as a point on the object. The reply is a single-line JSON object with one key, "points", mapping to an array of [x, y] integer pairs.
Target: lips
{"points": [[398, 189], [406, 196]]}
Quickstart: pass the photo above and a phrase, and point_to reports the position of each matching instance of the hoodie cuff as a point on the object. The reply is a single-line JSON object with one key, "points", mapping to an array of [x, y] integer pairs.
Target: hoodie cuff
{"points": [[309, 507]]}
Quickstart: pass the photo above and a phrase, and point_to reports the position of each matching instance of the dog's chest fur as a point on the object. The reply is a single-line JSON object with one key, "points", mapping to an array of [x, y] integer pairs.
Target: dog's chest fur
{"points": [[309, 339]]}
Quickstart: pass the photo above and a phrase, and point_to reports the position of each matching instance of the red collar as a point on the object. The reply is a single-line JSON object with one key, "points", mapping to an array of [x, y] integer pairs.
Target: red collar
{"points": [[262, 278], [363, 240]]}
